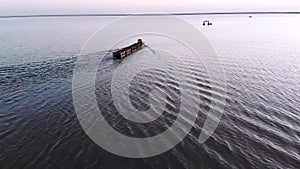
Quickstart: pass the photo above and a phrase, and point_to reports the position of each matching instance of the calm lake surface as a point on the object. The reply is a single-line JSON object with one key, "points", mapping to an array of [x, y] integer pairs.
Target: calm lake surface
{"points": [[260, 127]]}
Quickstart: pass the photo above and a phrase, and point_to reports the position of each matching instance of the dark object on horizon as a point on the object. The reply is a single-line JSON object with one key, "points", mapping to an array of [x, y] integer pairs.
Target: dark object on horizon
{"points": [[207, 23], [120, 54], [250, 16]]}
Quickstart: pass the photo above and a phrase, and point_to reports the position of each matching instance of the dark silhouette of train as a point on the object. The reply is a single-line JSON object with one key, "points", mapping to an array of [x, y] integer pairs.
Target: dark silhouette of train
{"points": [[120, 54]]}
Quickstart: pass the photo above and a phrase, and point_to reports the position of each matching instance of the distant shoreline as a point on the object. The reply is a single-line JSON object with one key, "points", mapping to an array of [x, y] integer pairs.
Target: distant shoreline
{"points": [[147, 14]]}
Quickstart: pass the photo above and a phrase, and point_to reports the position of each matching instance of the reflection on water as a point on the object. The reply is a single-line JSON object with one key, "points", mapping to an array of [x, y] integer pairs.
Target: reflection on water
{"points": [[260, 127]]}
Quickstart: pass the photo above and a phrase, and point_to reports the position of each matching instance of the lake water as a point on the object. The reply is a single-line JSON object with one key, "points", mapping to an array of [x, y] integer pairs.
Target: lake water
{"points": [[260, 127]]}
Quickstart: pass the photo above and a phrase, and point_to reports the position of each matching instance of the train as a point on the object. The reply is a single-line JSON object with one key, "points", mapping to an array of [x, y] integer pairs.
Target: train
{"points": [[126, 51]]}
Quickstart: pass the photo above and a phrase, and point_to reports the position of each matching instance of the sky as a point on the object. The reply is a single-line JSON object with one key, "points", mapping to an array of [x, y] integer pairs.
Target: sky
{"points": [[25, 7]]}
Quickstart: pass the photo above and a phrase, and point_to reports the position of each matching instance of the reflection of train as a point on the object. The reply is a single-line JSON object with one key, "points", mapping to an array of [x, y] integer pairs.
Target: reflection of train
{"points": [[128, 50]]}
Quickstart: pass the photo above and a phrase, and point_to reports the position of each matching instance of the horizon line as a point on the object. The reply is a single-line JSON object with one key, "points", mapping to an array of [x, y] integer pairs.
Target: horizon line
{"points": [[140, 14]]}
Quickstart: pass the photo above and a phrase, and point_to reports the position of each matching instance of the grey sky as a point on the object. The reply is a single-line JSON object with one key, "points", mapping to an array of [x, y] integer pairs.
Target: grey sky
{"points": [[19, 7]]}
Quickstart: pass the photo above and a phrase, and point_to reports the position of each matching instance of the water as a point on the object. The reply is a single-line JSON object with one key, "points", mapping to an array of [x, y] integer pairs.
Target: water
{"points": [[260, 127]]}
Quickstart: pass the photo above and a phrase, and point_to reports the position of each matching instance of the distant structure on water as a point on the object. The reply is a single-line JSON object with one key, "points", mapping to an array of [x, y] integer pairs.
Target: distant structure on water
{"points": [[120, 54], [207, 22]]}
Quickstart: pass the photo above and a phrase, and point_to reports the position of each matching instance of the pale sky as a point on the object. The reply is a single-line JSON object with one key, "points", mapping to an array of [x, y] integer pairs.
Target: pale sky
{"points": [[21, 7]]}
